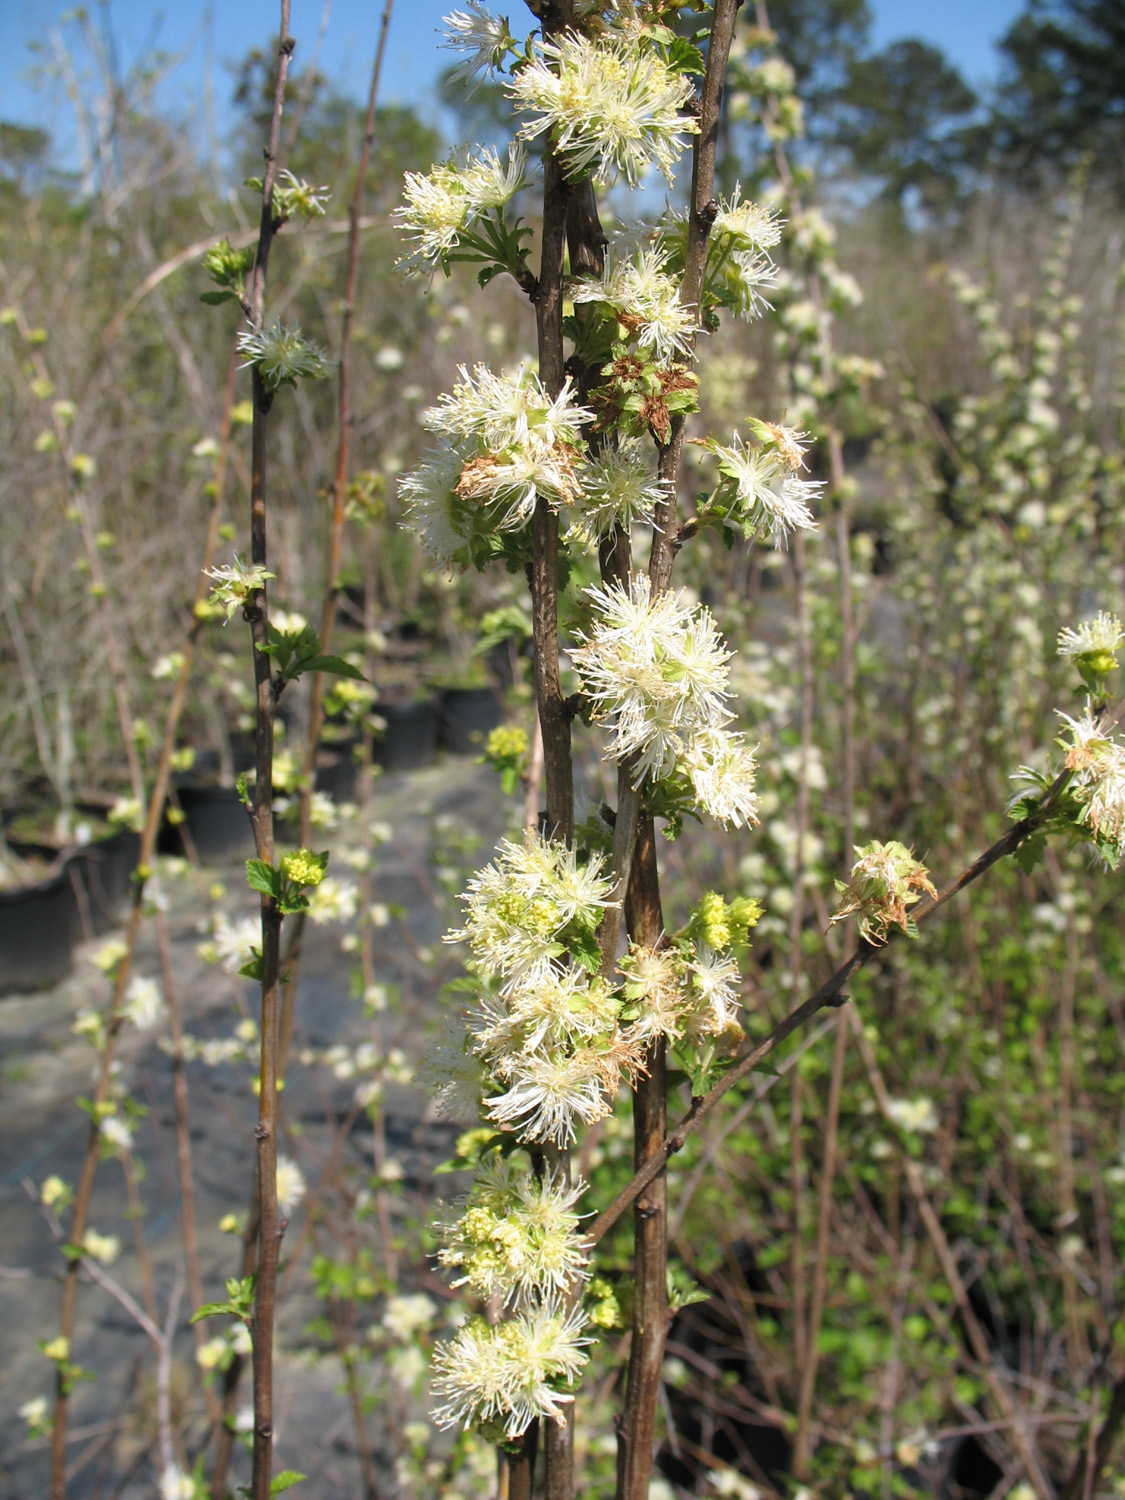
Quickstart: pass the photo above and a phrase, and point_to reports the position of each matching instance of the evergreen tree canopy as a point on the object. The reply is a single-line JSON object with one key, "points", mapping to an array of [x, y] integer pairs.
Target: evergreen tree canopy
{"points": [[1063, 93]]}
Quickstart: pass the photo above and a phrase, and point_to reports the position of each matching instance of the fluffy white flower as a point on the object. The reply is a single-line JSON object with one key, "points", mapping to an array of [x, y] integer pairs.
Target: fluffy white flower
{"points": [[506, 411], [116, 1131], [104, 1248], [427, 493], [290, 1185], [513, 481], [1098, 762], [282, 354], [749, 225], [654, 988], [407, 1315], [716, 985], [516, 1236], [655, 671], [483, 36], [618, 489], [549, 1093], [646, 300], [508, 1373], [517, 907], [723, 772], [176, 1485], [144, 1004], [233, 942], [611, 105], [916, 1115], [333, 900], [1104, 633], [443, 205], [765, 490]]}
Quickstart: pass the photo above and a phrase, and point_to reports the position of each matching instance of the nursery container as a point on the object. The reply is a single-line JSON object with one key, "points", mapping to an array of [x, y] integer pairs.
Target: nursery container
{"points": [[217, 824], [410, 738], [37, 926], [468, 715]]}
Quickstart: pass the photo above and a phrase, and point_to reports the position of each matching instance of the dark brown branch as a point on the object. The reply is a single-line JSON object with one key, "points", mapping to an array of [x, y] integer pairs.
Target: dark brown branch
{"points": [[701, 216], [270, 1227], [1087, 1470], [636, 1424], [553, 718]]}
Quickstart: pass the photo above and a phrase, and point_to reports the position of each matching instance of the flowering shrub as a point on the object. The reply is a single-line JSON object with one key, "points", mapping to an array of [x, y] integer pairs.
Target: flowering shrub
{"points": [[604, 982]]}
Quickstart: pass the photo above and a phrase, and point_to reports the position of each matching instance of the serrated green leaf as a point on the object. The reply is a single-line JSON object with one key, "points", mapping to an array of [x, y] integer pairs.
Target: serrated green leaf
{"points": [[252, 969], [263, 877], [211, 1310], [334, 664]]}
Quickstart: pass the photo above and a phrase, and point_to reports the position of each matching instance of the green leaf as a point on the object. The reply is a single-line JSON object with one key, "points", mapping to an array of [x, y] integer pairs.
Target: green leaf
{"points": [[684, 58], [213, 299], [584, 947], [210, 1310], [263, 877], [1030, 852], [252, 968], [334, 664], [285, 1481]]}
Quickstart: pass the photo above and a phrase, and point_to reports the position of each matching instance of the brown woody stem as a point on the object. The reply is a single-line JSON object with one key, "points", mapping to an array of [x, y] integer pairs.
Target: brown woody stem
{"points": [[270, 1228]]}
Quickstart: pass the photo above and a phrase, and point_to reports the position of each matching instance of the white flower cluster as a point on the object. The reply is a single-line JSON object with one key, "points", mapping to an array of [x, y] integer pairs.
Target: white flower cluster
{"points": [[1100, 637], [483, 36], [656, 672], [283, 355], [611, 106], [618, 489], [506, 442], [687, 992], [760, 486], [546, 1034], [516, 1236], [443, 206], [646, 300], [1097, 759], [510, 1374], [738, 260]]}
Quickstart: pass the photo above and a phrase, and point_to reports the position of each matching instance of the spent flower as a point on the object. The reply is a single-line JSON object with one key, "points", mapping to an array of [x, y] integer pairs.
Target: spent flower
{"points": [[886, 880]]}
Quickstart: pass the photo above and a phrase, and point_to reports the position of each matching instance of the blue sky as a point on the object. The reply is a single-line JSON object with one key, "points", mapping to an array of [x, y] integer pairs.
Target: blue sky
{"points": [[222, 31]]}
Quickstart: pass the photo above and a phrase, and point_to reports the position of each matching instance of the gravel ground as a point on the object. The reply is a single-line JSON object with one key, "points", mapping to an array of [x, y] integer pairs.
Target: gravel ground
{"points": [[44, 1066]]}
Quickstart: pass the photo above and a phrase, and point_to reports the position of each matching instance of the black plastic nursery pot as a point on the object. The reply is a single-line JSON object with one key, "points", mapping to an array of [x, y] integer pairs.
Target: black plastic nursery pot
{"points": [[101, 874], [337, 770], [37, 927], [467, 716], [410, 738], [216, 822]]}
